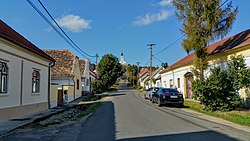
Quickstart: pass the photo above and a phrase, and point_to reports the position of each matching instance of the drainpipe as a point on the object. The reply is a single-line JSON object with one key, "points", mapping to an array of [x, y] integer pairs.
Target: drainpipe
{"points": [[51, 64], [74, 87], [173, 79]]}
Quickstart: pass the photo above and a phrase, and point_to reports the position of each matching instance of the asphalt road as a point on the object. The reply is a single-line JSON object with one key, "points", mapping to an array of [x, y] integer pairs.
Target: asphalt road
{"points": [[128, 117]]}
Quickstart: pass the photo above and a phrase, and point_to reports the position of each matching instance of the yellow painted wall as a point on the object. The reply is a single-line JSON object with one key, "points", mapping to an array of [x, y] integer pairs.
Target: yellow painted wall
{"points": [[215, 59], [53, 92], [78, 92]]}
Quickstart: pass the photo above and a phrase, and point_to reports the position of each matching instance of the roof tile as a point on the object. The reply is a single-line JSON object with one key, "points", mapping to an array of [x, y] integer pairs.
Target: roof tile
{"points": [[11, 35], [226, 44]]}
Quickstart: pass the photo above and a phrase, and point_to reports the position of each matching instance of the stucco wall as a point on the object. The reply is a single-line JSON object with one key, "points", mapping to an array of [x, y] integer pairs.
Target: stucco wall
{"points": [[53, 95], [19, 99], [216, 60], [77, 74]]}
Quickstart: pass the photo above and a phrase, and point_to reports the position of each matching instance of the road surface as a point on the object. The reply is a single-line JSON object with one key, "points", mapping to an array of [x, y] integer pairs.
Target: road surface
{"points": [[126, 116]]}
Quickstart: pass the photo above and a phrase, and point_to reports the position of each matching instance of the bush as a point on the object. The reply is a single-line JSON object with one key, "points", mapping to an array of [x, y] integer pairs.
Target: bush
{"points": [[220, 90], [97, 87]]}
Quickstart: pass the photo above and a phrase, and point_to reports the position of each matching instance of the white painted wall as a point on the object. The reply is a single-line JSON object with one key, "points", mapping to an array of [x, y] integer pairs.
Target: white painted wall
{"points": [[174, 75], [14, 56], [85, 84]]}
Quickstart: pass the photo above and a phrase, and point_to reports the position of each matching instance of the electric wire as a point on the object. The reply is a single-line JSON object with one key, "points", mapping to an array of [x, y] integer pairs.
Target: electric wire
{"points": [[63, 30], [58, 32], [181, 36]]}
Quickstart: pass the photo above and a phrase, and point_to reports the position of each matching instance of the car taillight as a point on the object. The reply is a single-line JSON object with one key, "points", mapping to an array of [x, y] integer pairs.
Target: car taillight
{"points": [[164, 95], [180, 95]]}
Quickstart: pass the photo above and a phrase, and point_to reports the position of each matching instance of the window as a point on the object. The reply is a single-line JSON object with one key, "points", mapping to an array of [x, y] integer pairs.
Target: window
{"points": [[87, 82], [77, 84], [35, 81], [3, 77], [178, 82], [171, 83]]}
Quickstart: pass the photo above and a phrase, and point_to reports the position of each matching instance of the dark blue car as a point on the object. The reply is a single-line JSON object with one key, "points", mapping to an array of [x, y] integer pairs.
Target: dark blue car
{"points": [[167, 96]]}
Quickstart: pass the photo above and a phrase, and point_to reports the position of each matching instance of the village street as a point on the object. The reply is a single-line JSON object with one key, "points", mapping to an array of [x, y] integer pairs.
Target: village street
{"points": [[127, 116]]}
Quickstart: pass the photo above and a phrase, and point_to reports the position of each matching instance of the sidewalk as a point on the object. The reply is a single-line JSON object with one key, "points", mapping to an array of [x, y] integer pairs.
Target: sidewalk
{"points": [[7, 126]]}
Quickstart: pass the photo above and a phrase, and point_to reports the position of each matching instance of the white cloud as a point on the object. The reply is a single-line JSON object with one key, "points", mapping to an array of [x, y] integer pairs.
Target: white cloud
{"points": [[73, 23], [151, 18], [165, 3]]}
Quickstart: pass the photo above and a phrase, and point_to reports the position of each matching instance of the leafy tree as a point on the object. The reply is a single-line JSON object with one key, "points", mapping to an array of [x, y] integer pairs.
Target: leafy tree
{"points": [[220, 91], [132, 74], [203, 21], [108, 70]]}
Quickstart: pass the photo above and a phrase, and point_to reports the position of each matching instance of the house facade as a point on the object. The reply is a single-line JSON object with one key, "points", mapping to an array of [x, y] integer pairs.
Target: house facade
{"points": [[24, 74], [179, 75], [85, 76], [156, 76], [66, 74], [143, 75]]}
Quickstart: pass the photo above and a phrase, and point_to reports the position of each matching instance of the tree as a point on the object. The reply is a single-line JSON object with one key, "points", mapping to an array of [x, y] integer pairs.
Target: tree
{"points": [[132, 74], [108, 70], [203, 21], [220, 91]]}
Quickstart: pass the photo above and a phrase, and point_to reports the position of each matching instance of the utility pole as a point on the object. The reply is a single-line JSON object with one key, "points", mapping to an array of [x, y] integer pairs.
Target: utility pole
{"points": [[150, 71], [96, 55], [138, 65]]}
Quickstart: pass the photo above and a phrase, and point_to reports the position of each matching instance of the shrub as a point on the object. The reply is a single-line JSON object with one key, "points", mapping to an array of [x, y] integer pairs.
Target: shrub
{"points": [[220, 91]]}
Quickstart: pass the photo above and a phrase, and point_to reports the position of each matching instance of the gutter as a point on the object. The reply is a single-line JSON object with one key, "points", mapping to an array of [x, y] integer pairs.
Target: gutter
{"points": [[74, 87], [51, 64]]}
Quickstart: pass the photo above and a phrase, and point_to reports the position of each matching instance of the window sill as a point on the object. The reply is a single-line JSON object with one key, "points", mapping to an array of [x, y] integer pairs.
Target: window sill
{"points": [[35, 93], [3, 94]]}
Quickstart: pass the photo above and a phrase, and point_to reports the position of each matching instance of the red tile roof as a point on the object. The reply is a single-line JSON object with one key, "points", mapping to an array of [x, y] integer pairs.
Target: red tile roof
{"points": [[82, 64], [92, 73], [143, 71], [64, 62], [226, 44], [12, 36]]}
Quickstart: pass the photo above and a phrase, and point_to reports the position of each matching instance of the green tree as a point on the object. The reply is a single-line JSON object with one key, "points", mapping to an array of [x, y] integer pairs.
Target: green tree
{"points": [[220, 91], [203, 21], [108, 70], [132, 74]]}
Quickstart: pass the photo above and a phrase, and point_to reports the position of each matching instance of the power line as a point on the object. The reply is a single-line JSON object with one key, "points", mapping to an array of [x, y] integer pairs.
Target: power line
{"points": [[182, 35], [63, 30], [158, 59], [147, 62], [169, 45], [45, 18]]}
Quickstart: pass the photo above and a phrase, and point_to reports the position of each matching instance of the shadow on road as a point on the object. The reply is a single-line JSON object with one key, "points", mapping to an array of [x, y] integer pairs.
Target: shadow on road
{"points": [[101, 125], [193, 136]]}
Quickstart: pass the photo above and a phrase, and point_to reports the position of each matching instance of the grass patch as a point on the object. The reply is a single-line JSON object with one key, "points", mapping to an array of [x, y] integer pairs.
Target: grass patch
{"points": [[93, 107], [237, 116], [89, 98]]}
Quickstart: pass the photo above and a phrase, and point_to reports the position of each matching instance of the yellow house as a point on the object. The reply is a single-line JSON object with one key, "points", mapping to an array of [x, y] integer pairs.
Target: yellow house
{"points": [[179, 74], [66, 73]]}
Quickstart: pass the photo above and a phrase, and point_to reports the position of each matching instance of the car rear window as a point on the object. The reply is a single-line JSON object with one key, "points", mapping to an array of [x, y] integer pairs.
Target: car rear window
{"points": [[170, 91]]}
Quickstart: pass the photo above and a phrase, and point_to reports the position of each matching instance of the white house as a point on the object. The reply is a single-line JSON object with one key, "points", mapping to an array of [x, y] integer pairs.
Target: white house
{"points": [[85, 76], [24, 75], [156, 75], [143, 75], [66, 73], [179, 74]]}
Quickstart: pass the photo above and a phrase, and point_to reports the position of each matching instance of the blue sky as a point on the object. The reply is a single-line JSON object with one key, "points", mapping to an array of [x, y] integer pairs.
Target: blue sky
{"points": [[109, 26]]}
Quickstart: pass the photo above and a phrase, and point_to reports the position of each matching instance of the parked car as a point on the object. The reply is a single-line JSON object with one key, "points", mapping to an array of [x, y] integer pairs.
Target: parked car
{"points": [[149, 92], [167, 96]]}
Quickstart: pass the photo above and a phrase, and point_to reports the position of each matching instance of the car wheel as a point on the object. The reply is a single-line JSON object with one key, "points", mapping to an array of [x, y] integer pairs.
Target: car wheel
{"points": [[181, 105], [159, 102]]}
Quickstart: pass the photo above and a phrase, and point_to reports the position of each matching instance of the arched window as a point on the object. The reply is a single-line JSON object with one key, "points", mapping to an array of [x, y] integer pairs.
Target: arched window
{"points": [[35, 81], [3, 77]]}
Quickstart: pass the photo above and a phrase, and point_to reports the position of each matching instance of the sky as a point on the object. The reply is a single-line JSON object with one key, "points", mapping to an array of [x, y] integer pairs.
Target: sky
{"points": [[109, 27]]}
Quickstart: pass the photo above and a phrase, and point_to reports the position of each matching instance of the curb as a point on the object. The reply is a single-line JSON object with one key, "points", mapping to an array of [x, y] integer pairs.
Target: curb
{"points": [[218, 120]]}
